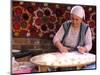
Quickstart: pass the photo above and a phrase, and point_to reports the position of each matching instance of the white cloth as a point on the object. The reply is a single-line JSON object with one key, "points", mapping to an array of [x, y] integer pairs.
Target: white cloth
{"points": [[71, 39], [78, 11]]}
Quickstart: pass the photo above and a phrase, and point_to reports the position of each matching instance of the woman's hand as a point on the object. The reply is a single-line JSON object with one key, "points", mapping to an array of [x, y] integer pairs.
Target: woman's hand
{"points": [[82, 49], [64, 49]]}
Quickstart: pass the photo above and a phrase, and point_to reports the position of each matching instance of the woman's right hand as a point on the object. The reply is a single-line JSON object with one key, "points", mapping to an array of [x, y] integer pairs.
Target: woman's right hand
{"points": [[64, 49]]}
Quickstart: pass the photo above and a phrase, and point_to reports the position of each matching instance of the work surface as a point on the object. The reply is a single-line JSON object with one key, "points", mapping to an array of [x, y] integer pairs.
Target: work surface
{"points": [[57, 59]]}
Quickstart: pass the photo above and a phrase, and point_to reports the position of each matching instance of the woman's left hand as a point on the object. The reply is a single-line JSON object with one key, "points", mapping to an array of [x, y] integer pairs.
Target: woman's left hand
{"points": [[82, 49]]}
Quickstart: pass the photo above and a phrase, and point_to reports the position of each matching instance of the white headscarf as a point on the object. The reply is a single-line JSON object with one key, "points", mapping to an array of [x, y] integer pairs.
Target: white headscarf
{"points": [[78, 11]]}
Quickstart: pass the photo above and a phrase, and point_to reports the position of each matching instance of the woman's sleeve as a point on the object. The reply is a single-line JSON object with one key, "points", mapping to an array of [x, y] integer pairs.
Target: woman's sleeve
{"points": [[59, 35], [88, 40]]}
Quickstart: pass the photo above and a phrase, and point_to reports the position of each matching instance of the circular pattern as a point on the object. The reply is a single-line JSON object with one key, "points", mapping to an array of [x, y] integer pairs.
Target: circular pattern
{"points": [[91, 23], [21, 18], [17, 18], [30, 9], [51, 26], [45, 24], [66, 15], [25, 16], [38, 21], [47, 12], [44, 28], [39, 13], [18, 10], [52, 19], [23, 25], [58, 12], [16, 26]]}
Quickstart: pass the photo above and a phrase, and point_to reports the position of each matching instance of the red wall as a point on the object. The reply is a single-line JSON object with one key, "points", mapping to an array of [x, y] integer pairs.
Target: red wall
{"points": [[42, 20]]}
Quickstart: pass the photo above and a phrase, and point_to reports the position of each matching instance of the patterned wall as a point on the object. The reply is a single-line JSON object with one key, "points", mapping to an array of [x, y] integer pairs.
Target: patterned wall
{"points": [[42, 20]]}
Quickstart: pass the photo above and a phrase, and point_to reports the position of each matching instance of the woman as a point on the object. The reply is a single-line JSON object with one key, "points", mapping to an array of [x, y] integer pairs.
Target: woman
{"points": [[74, 34]]}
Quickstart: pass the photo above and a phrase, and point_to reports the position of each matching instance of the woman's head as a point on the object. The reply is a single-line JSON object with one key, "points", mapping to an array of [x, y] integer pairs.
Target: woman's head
{"points": [[77, 14]]}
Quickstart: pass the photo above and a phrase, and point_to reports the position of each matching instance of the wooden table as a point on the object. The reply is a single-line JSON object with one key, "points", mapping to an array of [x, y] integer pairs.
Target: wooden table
{"points": [[71, 59]]}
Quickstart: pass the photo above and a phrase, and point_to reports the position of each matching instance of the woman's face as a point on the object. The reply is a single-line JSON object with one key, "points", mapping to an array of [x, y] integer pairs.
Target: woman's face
{"points": [[76, 21]]}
